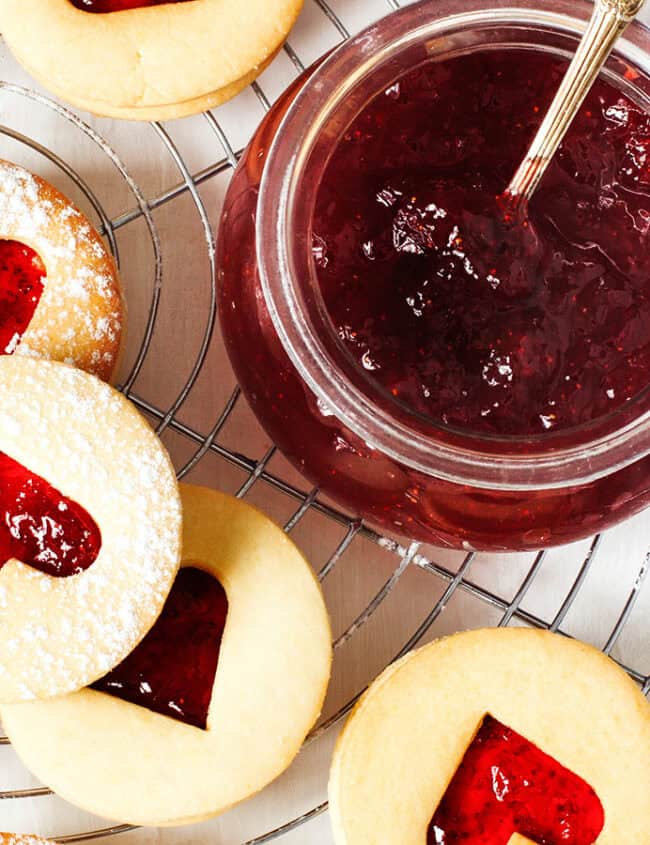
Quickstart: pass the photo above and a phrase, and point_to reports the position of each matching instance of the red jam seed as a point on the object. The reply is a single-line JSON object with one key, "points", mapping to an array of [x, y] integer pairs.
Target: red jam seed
{"points": [[506, 785], [172, 671], [41, 527], [502, 327], [103, 6], [21, 285]]}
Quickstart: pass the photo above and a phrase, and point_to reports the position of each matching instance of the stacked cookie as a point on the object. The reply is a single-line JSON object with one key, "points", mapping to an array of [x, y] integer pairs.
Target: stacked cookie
{"points": [[494, 737], [143, 624], [60, 295], [145, 60], [221, 692]]}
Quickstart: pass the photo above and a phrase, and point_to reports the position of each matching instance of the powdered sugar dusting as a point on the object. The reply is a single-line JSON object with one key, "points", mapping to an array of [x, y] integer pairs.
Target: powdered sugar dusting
{"points": [[79, 317], [60, 634]]}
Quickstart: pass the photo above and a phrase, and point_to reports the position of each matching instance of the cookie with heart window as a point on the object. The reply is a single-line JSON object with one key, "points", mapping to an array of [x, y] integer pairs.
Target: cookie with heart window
{"points": [[495, 737], [60, 295], [220, 695], [90, 528], [146, 59]]}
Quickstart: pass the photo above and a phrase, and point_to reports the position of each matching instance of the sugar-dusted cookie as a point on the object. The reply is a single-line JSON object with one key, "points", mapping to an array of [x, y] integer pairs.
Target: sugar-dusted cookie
{"points": [[60, 295], [182, 743], [146, 61], [494, 737], [90, 528], [22, 839]]}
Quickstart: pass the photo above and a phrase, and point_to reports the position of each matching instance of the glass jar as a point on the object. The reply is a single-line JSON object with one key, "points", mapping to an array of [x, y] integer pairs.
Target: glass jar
{"points": [[368, 452]]}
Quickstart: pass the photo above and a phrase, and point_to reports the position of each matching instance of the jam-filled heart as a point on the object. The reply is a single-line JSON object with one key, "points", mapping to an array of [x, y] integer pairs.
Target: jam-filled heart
{"points": [[172, 671], [41, 527], [21, 285], [103, 6], [506, 785]]}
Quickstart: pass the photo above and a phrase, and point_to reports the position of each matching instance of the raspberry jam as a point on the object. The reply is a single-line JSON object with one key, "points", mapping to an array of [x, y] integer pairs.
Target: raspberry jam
{"points": [[509, 352], [506, 785], [103, 6], [172, 671], [41, 527], [21, 285], [503, 327]]}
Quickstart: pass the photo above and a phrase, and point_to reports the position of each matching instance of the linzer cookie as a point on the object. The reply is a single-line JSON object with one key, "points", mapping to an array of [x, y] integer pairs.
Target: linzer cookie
{"points": [[90, 528], [60, 294], [495, 737], [146, 59], [221, 693]]}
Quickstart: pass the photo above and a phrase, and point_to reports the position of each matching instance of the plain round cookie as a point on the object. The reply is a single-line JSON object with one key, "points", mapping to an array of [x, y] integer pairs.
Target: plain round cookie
{"points": [[90, 443], [125, 64], [116, 759], [79, 318], [408, 734]]}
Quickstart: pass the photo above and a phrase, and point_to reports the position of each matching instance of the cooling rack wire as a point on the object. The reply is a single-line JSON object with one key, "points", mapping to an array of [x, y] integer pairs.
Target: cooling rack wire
{"points": [[570, 590]]}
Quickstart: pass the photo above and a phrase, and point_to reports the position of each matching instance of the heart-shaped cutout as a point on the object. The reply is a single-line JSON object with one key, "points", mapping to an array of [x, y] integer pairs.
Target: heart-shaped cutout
{"points": [[506, 785], [103, 6], [172, 671], [21, 285], [41, 527]]}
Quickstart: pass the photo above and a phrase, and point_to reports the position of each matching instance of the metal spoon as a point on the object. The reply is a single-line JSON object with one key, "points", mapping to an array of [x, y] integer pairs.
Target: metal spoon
{"points": [[609, 19]]}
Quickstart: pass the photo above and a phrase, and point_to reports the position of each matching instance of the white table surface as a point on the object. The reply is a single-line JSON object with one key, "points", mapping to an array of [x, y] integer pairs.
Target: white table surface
{"points": [[365, 566]]}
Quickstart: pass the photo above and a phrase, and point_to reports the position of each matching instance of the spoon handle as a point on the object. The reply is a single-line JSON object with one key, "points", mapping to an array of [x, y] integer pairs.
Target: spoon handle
{"points": [[608, 21]]}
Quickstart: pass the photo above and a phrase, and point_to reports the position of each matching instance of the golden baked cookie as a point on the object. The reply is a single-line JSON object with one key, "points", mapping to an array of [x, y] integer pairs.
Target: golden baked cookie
{"points": [[122, 760], [563, 722], [176, 110], [151, 63], [22, 839], [90, 528], [60, 294]]}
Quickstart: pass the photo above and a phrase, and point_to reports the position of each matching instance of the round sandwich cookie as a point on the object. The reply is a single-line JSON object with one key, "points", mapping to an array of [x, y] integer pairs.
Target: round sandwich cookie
{"points": [[215, 702], [495, 737], [144, 60], [60, 295], [90, 528]]}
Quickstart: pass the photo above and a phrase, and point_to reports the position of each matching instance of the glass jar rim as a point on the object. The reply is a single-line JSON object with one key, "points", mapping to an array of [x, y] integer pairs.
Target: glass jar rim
{"points": [[544, 464]]}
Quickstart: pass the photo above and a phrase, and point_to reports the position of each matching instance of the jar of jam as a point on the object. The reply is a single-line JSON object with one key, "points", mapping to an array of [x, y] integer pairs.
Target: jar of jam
{"points": [[442, 370]]}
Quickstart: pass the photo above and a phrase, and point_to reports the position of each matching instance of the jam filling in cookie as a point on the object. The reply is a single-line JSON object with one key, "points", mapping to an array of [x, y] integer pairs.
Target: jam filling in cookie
{"points": [[506, 785], [41, 527], [21, 285], [172, 671], [103, 6]]}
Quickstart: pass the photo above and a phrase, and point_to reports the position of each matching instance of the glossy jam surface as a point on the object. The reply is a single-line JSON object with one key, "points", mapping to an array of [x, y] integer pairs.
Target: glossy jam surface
{"points": [[506, 785], [21, 285], [172, 671], [103, 6], [39, 526], [505, 328]]}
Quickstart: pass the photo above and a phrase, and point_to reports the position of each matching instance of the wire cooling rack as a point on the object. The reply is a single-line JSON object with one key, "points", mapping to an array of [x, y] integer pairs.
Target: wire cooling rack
{"points": [[411, 593]]}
